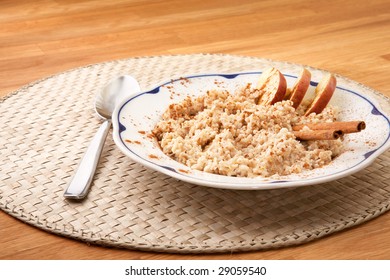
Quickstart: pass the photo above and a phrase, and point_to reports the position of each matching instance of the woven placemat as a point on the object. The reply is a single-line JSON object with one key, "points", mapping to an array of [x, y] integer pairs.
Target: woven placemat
{"points": [[47, 126]]}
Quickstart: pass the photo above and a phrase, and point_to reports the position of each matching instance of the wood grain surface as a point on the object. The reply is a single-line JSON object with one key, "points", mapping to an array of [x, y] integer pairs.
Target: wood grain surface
{"points": [[42, 38]]}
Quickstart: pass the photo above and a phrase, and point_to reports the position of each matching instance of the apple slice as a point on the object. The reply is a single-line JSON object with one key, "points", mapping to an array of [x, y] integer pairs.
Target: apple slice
{"points": [[323, 93], [298, 91], [272, 85]]}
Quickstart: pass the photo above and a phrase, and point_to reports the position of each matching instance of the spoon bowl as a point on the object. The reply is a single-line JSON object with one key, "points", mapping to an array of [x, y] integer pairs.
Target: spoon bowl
{"points": [[105, 102], [114, 92]]}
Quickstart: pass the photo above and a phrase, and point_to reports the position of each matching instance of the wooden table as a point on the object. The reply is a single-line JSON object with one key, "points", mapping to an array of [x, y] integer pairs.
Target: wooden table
{"points": [[41, 38]]}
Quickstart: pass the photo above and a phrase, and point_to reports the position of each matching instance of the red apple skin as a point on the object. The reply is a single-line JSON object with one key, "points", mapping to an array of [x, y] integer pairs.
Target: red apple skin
{"points": [[324, 92], [298, 92], [273, 86]]}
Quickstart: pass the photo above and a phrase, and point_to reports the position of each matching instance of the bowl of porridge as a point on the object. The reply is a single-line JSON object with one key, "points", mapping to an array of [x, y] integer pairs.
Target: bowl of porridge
{"points": [[254, 130]]}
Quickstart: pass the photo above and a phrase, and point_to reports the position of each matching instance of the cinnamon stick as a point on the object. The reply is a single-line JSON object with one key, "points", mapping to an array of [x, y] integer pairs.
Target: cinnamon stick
{"points": [[324, 134], [345, 127]]}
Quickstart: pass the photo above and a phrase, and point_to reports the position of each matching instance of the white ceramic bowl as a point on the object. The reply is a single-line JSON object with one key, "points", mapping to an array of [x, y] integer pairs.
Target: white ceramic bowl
{"points": [[136, 116]]}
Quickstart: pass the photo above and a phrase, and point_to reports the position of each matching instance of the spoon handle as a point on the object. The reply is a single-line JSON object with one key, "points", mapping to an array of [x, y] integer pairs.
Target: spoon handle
{"points": [[81, 182]]}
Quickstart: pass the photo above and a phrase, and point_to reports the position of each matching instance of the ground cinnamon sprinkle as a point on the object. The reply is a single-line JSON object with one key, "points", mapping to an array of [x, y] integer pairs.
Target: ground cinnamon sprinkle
{"points": [[230, 134], [184, 171]]}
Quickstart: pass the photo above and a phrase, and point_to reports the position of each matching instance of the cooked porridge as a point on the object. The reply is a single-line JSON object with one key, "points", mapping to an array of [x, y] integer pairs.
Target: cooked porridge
{"points": [[231, 134]]}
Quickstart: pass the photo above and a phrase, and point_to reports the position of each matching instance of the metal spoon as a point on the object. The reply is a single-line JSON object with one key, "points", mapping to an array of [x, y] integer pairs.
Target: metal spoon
{"points": [[105, 103]]}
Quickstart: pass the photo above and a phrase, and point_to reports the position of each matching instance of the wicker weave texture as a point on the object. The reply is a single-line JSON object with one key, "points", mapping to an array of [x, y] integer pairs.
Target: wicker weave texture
{"points": [[47, 127]]}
